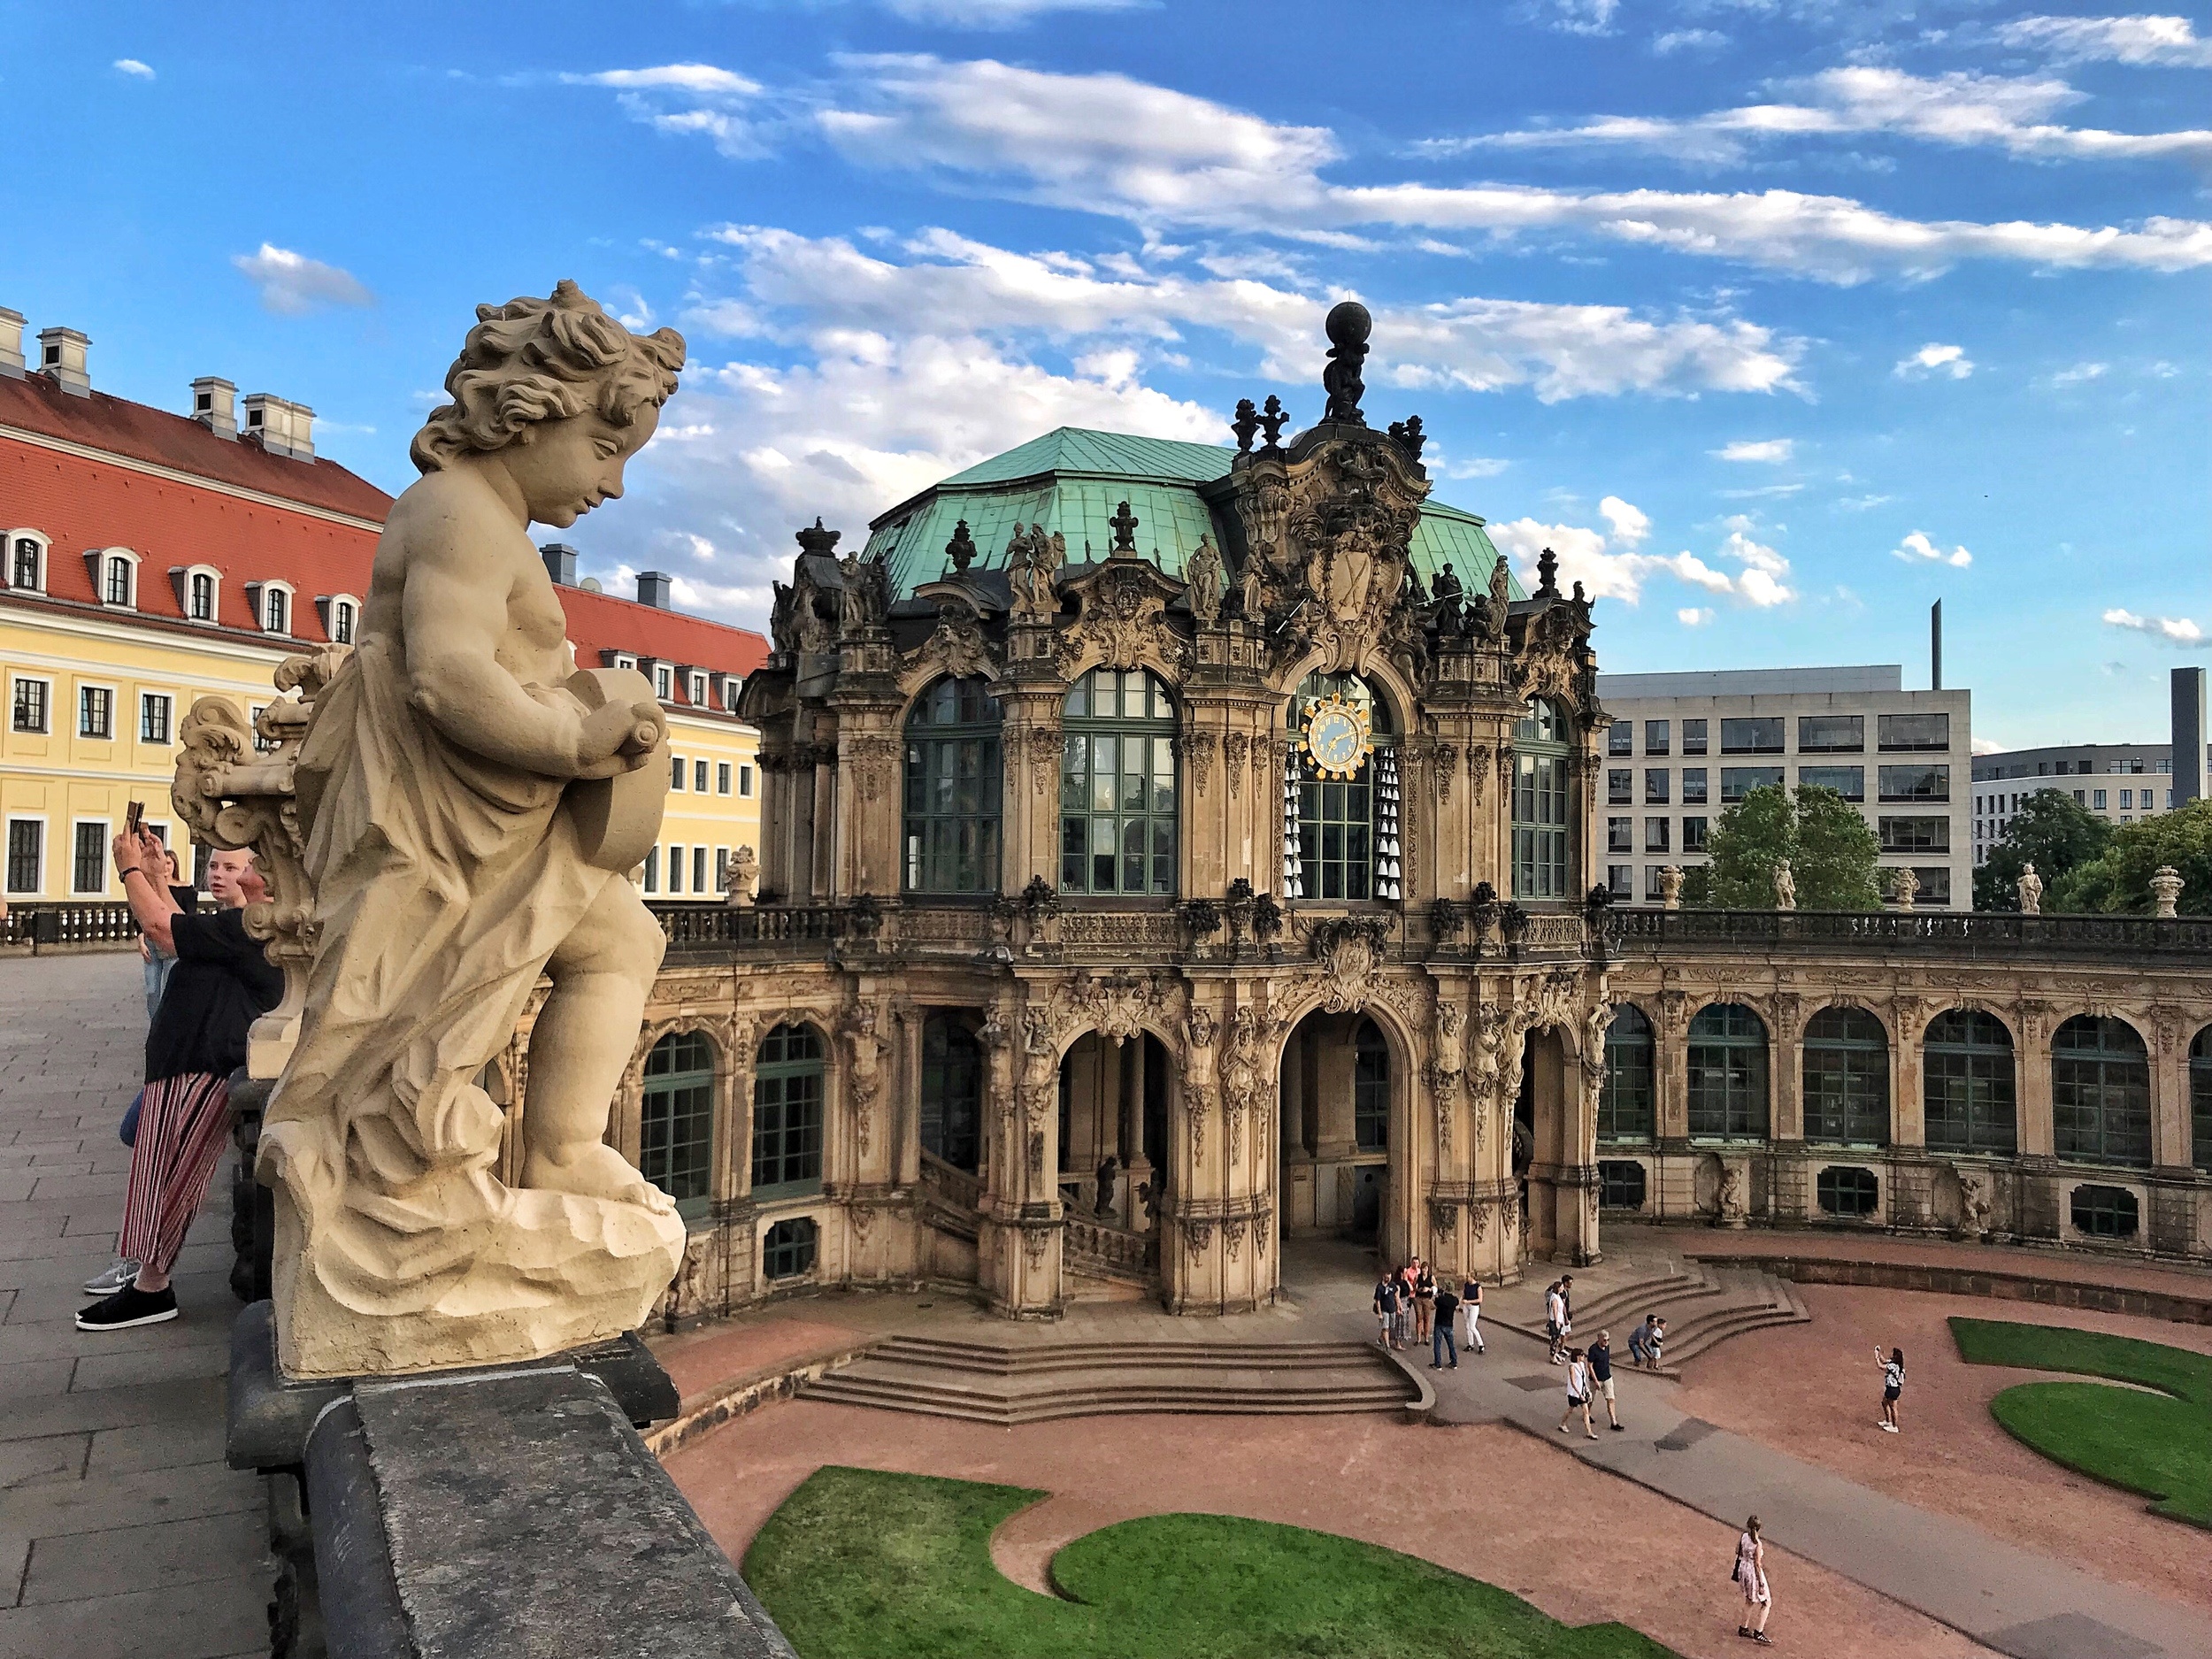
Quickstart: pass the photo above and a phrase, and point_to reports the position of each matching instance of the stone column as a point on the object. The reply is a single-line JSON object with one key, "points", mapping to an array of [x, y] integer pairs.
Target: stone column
{"points": [[1907, 1092], [1672, 1197], [904, 1106], [1135, 1155], [2170, 1147], [2033, 1092], [1789, 1185], [1018, 1240]]}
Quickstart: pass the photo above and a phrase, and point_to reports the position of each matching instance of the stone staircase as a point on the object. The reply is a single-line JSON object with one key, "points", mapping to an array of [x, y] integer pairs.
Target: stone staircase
{"points": [[1037, 1381], [1704, 1304]]}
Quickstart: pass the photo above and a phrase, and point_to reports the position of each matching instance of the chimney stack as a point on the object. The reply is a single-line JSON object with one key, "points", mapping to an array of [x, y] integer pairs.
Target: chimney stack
{"points": [[2189, 736], [1935, 646], [284, 427], [560, 563], [215, 405], [655, 589], [61, 358], [11, 343]]}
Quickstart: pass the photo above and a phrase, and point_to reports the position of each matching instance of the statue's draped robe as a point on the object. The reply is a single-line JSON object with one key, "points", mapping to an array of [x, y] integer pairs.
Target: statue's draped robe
{"points": [[444, 881]]}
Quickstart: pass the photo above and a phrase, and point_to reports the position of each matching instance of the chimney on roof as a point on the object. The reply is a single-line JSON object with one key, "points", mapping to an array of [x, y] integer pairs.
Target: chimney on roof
{"points": [[215, 405], [11, 342], [61, 358], [283, 426], [655, 589], [560, 563]]}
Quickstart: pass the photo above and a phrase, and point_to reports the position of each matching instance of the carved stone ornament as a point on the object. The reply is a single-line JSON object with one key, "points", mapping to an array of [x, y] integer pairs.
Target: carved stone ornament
{"points": [[1240, 1074], [1478, 770], [1446, 763], [1045, 753], [864, 1079], [1232, 1235], [1198, 1238], [1235, 748], [1035, 1242], [1198, 1032], [1350, 950], [875, 764], [1123, 617], [1479, 1220], [1197, 747], [954, 647]]}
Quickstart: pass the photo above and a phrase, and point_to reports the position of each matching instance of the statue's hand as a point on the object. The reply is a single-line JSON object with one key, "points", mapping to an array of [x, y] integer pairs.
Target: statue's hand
{"points": [[618, 737]]}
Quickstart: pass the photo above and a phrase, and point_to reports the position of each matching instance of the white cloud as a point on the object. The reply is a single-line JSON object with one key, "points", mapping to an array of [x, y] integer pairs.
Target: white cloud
{"points": [[292, 284], [1609, 565], [995, 14], [1578, 17], [2166, 630], [1695, 616], [2151, 42], [715, 96], [132, 67], [1987, 746], [702, 79], [1474, 467], [1861, 504], [1960, 107], [1917, 548], [2081, 375], [1631, 525], [1936, 359], [1688, 40], [1767, 451]]}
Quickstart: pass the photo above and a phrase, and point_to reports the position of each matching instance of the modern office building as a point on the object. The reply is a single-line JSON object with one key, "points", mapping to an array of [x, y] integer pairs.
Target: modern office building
{"points": [[2119, 782], [1684, 747]]}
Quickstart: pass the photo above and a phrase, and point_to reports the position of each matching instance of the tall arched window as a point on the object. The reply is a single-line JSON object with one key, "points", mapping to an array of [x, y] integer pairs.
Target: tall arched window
{"points": [[1728, 1074], [341, 623], [23, 568], [203, 597], [787, 1074], [1371, 1088], [2100, 1092], [118, 579], [1966, 1097], [1846, 1077], [2201, 1097], [676, 1123], [1340, 804], [1624, 1109], [1117, 784], [952, 1093], [276, 606], [1541, 768], [952, 789]]}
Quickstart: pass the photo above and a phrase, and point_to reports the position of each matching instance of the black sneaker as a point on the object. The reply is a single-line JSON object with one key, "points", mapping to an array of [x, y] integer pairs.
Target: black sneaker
{"points": [[129, 1305]]}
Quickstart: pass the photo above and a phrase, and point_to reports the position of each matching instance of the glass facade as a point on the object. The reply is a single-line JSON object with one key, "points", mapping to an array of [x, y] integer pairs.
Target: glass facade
{"points": [[1625, 1108], [952, 1093], [1371, 1088]]}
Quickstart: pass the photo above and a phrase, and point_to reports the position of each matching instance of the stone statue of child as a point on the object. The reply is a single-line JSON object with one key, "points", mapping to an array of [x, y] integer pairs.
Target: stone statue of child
{"points": [[471, 805], [1784, 885], [2030, 887]]}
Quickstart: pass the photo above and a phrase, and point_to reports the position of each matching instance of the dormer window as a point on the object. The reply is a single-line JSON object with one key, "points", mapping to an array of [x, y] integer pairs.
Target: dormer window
{"points": [[276, 611], [697, 688], [200, 603], [341, 622], [27, 564], [664, 682], [113, 574], [116, 590]]}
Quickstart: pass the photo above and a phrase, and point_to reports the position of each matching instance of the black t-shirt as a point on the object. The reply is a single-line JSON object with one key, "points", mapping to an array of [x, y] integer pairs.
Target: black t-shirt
{"points": [[1600, 1361], [1446, 1305], [222, 982]]}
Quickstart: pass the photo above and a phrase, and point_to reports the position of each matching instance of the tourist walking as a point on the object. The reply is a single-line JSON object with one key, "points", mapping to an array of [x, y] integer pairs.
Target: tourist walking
{"points": [[1424, 1301], [1892, 1385], [1579, 1393], [1470, 1313], [1387, 1311], [222, 982], [1601, 1375], [1750, 1577], [1440, 1340], [1555, 1322]]}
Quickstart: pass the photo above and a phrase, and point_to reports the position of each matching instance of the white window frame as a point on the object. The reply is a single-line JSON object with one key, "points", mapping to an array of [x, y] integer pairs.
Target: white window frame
{"points": [[96, 562], [745, 774], [45, 852], [732, 688], [722, 774], [107, 831], [326, 613], [679, 774], [721, 870], [45, 559], [675, 868], [169, 720], [698, 776], [257, 595], [43, 679], [84, 686], [624, 660], [696, 686], [184, 574], [664, 681]]}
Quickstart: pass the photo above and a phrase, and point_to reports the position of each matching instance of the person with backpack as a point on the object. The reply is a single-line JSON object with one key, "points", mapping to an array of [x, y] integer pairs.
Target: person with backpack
{"points": [[1892, 1385], [1440, 1340], [1578, 1392], [1750, 1577]]}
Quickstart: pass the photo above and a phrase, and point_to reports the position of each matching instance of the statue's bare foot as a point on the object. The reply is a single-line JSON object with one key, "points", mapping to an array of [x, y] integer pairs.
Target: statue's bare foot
{"points": [[595, 1172]]}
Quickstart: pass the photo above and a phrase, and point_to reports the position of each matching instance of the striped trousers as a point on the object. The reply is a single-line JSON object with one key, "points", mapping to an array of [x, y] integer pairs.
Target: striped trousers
{"points": [[182, 1128]]}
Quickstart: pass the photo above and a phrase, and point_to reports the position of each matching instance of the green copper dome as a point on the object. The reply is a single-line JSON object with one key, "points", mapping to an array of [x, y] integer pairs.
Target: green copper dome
{"points": [[1071, 480]]}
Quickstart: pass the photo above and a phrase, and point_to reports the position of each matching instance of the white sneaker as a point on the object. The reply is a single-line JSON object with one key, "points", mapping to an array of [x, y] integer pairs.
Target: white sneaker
{"points": [[1886, 1428], [124, 1272]]}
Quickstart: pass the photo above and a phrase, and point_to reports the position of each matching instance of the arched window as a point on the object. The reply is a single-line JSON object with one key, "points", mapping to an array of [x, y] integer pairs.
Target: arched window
{"points": [[1371, 1088], [1541, 765], [2100, 1092], [118, 590], [952, 789], [341, 623], [676, 1122], [787, 1074], [1846, 1077], [1624, 1109], [952, 1093], [1340, 804], [1967, 1096], [201, 601], [276, 607], [1117, 784], [2201, 1097], [1728, 1074], [24, 567]]}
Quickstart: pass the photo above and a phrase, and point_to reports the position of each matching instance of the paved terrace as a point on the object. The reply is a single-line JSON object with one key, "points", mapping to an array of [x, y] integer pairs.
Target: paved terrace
{"points": [[122, 1534]]}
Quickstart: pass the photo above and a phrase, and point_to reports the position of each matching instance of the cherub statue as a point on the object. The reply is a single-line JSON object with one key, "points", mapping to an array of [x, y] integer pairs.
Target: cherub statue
{"points": [[1784, 885], [471, 805], [2030, 887]]}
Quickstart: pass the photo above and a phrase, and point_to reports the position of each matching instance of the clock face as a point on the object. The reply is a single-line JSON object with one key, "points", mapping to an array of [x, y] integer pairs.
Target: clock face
{"points": [[1334, 739]]}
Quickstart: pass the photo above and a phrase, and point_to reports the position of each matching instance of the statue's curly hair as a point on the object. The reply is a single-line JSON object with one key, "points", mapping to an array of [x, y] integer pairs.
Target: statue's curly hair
{"points": [[530, 360]]}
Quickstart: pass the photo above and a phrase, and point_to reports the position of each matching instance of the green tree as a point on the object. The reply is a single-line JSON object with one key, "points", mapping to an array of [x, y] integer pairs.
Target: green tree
{"points": [[1831, 848], [2052, 830], [2118, 880]]}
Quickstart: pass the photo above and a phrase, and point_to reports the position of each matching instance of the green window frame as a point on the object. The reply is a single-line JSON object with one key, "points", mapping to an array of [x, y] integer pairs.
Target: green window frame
{"points": [[1371, 1088], [1728, 1074], [1625, 1109], [1968, 1095], [1119, 789], [788, 1077], [2105, 1212], [1847, 1078], [787, 1249], [676, 1121], [1343, 835], [2200, 1098], [954, 788], [1542, 768], [1843, 1190], [952, 1093], [2100, 1092]]}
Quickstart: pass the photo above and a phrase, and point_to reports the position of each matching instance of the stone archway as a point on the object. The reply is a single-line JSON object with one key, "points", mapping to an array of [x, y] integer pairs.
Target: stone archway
{"points": [[1116, 1097]]}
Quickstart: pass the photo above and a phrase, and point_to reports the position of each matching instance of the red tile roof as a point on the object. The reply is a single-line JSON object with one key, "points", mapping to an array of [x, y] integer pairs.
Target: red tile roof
{"points": [[82, 503]]}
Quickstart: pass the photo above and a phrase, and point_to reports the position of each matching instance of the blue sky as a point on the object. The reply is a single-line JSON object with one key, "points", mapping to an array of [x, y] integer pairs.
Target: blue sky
{"points": [[1778, 318]]}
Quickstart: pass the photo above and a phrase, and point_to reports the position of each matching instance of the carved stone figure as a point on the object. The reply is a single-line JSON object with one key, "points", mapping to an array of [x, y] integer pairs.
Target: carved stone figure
{"points": [[471, 804], [2166, 885], [1348, 325], [1730, 1208], [1784, 885], [1975, 1205], [1904, 887], [2030, 887], [1451, 594], [1203, 574], [744, 871], [867, 595], [1350, 951], [1671, 888], [1500, 598], [960, 551]]}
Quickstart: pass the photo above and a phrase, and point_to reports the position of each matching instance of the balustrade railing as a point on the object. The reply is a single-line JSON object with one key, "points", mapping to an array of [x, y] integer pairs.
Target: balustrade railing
{"points": [[1997, 933], [706, 927], [38, 925], [952, 1186], [1097, 1244]]}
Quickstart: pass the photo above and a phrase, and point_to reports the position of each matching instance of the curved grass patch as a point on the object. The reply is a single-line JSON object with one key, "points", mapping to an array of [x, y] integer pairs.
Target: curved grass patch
{"points": [[860, 1565], [2159, 1445]]}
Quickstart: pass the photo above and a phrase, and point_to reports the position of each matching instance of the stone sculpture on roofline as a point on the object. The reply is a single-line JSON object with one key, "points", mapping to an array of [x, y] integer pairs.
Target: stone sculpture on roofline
{"points": [[469, 804]]}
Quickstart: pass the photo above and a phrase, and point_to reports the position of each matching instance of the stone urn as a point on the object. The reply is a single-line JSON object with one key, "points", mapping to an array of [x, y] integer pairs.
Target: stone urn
{"points": [[2166, 886]]}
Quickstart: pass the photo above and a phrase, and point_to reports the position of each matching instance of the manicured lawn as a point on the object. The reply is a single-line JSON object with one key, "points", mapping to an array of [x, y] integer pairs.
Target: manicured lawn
{"points": [[2154, 1444], [858, 1565]]}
